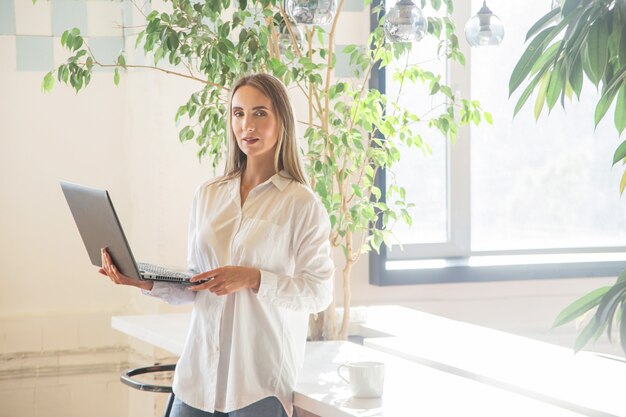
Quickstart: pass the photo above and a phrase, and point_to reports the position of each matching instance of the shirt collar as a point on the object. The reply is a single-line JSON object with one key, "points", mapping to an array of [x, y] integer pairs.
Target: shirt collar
{"points": [[280, 180]]}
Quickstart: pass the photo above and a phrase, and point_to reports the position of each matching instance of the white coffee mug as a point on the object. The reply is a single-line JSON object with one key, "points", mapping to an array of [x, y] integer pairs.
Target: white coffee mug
{"points": [[366, 379]]}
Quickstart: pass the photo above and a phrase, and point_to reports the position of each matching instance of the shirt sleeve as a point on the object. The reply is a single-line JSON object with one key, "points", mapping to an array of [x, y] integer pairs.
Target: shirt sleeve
{"points": [[311, 287], [174, 293], [171, 292]]}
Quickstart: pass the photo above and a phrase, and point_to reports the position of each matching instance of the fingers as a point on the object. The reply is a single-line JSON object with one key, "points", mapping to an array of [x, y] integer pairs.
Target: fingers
{"points": [[207, 275], [210, 285], [109, 269]]}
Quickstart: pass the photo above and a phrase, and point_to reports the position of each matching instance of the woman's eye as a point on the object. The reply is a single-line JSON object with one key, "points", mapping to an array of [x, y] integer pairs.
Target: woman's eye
{"points": [[260, 113], [237, 114]]}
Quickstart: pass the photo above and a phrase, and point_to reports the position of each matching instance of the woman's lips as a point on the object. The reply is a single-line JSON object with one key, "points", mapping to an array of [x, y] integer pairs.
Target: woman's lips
{"points": [[250, 141]]}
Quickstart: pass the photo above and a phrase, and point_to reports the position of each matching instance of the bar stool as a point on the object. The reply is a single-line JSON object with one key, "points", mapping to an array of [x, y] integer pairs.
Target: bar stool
{"points": [[127, 379]]}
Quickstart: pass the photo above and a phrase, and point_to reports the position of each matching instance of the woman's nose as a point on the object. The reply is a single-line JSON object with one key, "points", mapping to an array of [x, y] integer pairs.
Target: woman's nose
{"points": [[248, 124]]}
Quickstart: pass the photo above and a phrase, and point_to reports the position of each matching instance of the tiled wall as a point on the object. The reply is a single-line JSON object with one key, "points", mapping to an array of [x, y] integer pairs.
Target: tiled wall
{"points": [[69, 366], [37, 29]]}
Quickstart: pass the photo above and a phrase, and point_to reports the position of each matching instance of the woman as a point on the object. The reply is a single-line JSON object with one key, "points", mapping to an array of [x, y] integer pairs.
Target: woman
{"points": [[261, 235]]}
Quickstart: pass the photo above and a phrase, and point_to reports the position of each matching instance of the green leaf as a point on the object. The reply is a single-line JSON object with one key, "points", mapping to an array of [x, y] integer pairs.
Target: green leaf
{"points": [[590, 331], [528, 91], [121, 61], [555, 85], [541, 95], [488, 118], [620, 153], [598, 49], [608, 95], [541, 23], [622, 183], [116, 76], [570, 5], [526, 62], [77, 43], [576, 76], [622, 44], [47, 83], [580, 306], [620, 110], [609, 304], [622, 328], [64, 37]]}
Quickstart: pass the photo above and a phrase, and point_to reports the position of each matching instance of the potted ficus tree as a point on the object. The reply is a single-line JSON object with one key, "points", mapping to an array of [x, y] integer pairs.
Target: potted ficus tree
{"points": [[352, 131], [580, 40]]}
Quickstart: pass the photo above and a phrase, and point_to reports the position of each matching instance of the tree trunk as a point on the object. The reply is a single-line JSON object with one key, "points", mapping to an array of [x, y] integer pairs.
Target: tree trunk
{"points": [[347, 272]]}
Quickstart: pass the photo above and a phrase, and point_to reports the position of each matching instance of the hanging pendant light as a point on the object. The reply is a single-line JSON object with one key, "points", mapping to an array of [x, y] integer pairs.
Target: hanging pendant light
{"points": [[405, 23], [484, 29], [284, 37], [312, 12]]}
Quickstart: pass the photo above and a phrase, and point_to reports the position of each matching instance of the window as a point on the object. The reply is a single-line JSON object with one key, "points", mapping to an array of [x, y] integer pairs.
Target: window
{"points": [[516, 200]]}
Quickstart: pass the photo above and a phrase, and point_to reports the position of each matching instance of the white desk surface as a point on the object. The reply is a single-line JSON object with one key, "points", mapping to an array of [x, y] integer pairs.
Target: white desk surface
{"points": [[411, 389], [585, 382]]}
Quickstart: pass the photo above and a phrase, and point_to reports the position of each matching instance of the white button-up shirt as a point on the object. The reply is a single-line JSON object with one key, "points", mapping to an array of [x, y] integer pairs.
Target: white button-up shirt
{"points": [[247, 346]]}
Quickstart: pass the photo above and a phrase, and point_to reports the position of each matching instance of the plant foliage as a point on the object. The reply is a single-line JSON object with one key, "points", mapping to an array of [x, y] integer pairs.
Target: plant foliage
{"points": [[351, 133], [581, 39]]}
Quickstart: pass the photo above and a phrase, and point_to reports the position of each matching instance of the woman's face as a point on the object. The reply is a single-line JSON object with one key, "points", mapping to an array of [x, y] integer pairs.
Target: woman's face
{"points": [[254, 122]]}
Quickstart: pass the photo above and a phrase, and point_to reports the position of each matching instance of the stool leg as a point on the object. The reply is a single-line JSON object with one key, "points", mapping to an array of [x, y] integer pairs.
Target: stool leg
{"points": [[168, 407]]}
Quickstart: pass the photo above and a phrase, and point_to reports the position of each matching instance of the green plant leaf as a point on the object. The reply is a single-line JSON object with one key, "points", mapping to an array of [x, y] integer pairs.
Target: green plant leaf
{"points": [[607, 97], [570, 5], [546, 56], [48, 82], [116, 76], [555, 85], [622, 328], [528, 91], [526, 62], [622, 44], [598, 49], [580, 306], [541, 23], [541, 95], [576, 76], [64, 37], [121, 61], [622, 183], [609, 304], [620, 110], [620, 153], [591, 330]]}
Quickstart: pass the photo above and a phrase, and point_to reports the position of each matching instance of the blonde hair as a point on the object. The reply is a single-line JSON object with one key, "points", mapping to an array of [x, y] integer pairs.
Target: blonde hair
{"points": [[286, 155]]}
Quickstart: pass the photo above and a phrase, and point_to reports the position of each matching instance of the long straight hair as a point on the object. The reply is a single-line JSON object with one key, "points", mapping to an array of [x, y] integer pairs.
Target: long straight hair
{"points": [[286, 154]]}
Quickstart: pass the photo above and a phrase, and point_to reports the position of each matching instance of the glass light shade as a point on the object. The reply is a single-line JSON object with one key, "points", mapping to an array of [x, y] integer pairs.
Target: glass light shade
{"points": [[312, 12], [405, 23], [284, 37], [484, 29]]}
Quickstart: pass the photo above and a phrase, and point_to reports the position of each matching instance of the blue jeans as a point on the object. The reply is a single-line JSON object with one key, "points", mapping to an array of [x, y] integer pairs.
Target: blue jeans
{"points": [[267, 407]]}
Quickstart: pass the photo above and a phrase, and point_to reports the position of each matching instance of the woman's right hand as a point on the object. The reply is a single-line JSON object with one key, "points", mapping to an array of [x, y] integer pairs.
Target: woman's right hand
{"points": [[108, 269]]}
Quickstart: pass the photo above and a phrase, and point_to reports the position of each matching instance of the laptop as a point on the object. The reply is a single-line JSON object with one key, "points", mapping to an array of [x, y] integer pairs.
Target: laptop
{"points": [[99, 227]]}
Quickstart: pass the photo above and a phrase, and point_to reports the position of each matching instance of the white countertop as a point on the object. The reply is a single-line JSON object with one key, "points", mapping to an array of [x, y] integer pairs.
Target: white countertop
{"points": [[411, 389], [584, 382]]}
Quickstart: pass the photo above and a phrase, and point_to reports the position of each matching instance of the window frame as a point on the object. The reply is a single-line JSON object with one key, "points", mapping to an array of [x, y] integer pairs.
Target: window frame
{"points": [[455, 256]]}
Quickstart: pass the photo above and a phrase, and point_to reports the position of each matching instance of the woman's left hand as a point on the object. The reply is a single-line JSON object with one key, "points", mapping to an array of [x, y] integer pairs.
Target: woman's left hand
{"points": [[227, 280]]}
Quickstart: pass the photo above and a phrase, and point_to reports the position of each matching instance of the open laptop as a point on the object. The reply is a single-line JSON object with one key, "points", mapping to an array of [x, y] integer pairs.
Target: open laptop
{"points": [[99, 228]]}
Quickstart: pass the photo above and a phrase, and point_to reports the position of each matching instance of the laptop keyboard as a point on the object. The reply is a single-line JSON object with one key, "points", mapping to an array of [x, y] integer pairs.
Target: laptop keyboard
{"points": [[158, 273]]}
